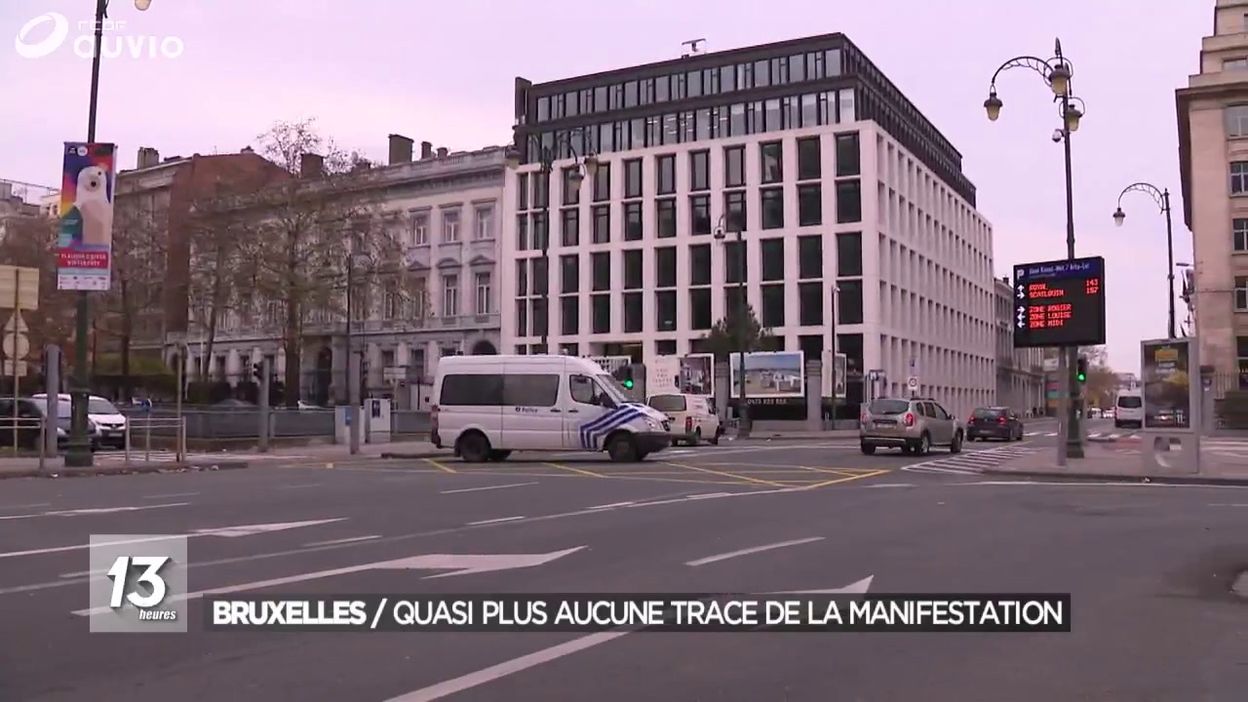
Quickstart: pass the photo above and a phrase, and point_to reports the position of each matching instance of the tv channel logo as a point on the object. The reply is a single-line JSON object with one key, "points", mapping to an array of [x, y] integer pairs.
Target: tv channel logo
{"points": [[138, 583]]}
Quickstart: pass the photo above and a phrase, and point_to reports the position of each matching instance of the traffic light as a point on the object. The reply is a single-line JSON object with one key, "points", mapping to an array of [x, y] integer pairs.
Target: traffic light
{"points": [[624, 374], [1081, 370]]}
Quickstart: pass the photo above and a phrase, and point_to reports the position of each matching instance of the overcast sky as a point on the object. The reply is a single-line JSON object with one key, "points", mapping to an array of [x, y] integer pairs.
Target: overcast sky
{"points": [[443, 72]]}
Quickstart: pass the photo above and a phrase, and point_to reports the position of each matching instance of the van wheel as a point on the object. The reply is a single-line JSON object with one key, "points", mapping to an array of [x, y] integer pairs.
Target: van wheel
{"points": [[623, 449], [499, 455], [697, 437], [474, 448], [715, 439]]}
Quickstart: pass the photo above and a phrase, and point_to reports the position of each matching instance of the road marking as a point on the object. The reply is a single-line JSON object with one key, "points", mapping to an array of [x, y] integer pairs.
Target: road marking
{"points": [[300, 486], [169, 494], [588, 473], [92, 510], [707, 495], [833, 471], [888, 485], [748, 551], [31, 505], [438, 464], [727, 475], [836, 481], [495, 521], [1107, 483], [613, 505], [488, 487], [349, 540]]}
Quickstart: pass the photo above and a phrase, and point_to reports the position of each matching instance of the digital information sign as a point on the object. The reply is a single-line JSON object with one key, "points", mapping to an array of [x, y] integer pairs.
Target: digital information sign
{"points": [[1059, 303]]}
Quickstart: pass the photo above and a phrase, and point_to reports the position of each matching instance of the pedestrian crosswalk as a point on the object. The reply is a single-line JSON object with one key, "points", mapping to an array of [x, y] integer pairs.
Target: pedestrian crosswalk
{"points": [[971, 462]]}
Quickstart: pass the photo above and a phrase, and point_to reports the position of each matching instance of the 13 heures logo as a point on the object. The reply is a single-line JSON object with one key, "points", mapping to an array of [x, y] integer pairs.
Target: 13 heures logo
{"points": [[147, 590]]}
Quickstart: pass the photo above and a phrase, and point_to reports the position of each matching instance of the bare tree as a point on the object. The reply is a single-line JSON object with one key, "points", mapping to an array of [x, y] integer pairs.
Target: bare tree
{"points": [[138, 257], [31, 242]]}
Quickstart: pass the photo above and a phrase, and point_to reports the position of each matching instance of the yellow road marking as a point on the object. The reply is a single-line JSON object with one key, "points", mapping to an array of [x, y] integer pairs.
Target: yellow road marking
{"points": [[834, 471], [590, 474], [728, 475], [438, 464], [845, 480]]}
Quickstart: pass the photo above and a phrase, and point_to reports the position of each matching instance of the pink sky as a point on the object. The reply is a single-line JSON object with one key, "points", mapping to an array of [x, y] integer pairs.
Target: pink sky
{"points": [[444, 72]]}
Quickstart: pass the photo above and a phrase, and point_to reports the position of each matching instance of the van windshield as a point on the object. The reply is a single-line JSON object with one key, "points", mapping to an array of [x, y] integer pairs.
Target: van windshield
{"points": [[1130, 402], [668, 403]]}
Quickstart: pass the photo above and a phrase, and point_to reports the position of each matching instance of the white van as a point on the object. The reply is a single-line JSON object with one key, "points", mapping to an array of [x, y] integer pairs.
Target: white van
{"points": [[691, 417], [485, 407], [1129, 409]]}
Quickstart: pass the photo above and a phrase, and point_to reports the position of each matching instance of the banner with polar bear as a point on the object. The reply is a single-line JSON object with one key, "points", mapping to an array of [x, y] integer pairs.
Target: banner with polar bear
{"points": [[85, 243]]}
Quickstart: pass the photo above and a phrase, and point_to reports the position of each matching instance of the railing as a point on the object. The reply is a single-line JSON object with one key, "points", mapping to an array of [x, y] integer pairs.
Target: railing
{"points": [[18, 425], [146, 424]]}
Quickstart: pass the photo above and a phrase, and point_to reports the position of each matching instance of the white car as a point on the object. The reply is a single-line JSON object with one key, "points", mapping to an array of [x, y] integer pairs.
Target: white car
{"points": [[691, 417], [110, 423]]}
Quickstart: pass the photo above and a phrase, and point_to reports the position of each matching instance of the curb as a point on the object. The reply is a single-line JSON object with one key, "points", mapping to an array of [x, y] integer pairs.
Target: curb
{"points": [[814, 437], [1118, 477], [131, 469]]}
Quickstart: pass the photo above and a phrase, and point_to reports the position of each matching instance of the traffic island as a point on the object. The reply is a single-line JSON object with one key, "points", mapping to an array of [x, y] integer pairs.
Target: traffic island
{"points": [[1105, 465]]}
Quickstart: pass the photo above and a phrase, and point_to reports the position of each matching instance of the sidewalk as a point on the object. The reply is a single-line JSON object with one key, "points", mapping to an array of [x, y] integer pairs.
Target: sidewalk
{"points": [[1128, 466], [762, 435]]}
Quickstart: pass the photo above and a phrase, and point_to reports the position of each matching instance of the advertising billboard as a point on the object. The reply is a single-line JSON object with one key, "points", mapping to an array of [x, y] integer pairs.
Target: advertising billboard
{"points": [[834, 382], [697, 374], [662, 375], [770, 374], [1167, 385], [85, 240]]}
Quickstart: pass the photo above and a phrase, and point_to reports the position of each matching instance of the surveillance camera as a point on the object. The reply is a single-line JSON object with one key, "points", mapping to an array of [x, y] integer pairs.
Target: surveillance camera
{"points": [[1057, 136]]}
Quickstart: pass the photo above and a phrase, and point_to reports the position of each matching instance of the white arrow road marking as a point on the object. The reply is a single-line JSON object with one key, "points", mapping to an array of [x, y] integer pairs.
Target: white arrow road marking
{"points": [[858, 588], [223, 531], [748, 551], [461, 564], [546, 655], [348, 540], [92, 510]]}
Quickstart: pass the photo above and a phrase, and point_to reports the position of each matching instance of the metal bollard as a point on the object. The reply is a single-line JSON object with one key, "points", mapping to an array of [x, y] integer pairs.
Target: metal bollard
{"points": [[43, 443], [147, 441], [128, 442], [182, 440]]}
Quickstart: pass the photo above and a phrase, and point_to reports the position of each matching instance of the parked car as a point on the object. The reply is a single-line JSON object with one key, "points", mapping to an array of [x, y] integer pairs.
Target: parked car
{"points": [[30, 415], [994, 423], [109, 421], [692, 417], [913, 425], [1129, 409]]}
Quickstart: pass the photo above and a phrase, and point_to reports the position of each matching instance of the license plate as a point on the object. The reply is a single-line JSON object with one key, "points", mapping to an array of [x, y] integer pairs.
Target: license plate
{"points": [[885, 423]]}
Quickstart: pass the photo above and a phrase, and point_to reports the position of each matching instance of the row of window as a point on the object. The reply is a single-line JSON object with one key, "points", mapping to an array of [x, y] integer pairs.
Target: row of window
{"points": [[516, 389], [811, 296], [782, 70], [419, 229], [720, 122]]}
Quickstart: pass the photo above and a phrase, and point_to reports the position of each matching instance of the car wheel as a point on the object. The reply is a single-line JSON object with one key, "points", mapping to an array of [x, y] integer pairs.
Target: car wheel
{"points": [[474, 448], [715, 439], [925, 445], [907, 449], [623, 449], [956, 445], [867, 449], [499, 455]]}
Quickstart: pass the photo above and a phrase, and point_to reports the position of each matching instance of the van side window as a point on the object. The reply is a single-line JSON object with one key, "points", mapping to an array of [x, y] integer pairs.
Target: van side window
{"points": [[584, 390], [472, 390], [531, 390]]}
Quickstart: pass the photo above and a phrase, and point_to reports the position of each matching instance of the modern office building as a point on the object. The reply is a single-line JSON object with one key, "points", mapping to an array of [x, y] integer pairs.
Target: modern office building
{"points": [[1213, 160], [833, 177]]}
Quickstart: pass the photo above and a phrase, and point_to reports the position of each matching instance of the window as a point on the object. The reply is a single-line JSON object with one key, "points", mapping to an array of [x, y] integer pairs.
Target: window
{"points": [[662, 92], [1241, 294], [630, 94], [665, 310], [700, 214], [1240, 229], [734, 208], [473, 390], [809, 158], [849, 199], [1239, 177], [602, 182], [773, 306], [810, 256], [571, 185], [540, 320], [632, 269], [569, 233], [847, 155], [450, 225], [700, 265], [600, 308], [848, 111], [700, 170], [773, 208], [632, 178], [665, 347], [700, 308], [585, 390], [541, 230], [1236, 120], [665, 267], [736, 120], [771, 159], [809, 204], [541, 191], [450, 296], [666, 175], [528, 390], [773, 259], [666, 215], [522, 232], [569, 315], [734, 166], [484, 306], [540, 277], [733, 262], [522, 278], [1235, 64], [693, 83], [810, 304], [797, 68], [522, 192], [602, 224], [485, 223], [569, 274], [420, 230], [601, 264], [849, 302], [632, 312], [761, 74], [632, 221]]}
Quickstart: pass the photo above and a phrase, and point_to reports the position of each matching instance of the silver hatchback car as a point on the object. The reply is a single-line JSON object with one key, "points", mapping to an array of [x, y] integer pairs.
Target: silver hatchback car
{"points": [[913, 425]]}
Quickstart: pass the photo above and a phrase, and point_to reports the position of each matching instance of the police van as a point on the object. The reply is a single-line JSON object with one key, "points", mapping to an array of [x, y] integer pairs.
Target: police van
{"points": [[485, 407]]}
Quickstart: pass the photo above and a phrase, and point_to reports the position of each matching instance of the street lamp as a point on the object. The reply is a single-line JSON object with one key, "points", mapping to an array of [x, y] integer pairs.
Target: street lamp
{"points": [[1162, 198], [582, 166], [354, 364], [1057, 73], [743, 407], [78, 449]]}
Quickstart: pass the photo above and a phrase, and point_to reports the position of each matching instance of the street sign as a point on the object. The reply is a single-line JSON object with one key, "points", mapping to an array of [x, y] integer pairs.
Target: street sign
{"points": [[1050, 365], [21, 368], [1059, 303], [913, 382]]}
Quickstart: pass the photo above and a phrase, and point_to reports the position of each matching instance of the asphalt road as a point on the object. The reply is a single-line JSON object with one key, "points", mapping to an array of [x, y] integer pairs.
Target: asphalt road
{"points": [[1149, 569]]}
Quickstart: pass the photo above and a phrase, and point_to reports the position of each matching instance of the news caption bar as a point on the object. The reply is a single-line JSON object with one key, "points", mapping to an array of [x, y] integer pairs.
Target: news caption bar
{"points": [[984, 613]]}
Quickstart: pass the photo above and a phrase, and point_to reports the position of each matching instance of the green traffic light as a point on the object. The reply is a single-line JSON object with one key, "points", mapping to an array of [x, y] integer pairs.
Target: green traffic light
{"points": [[628, 383], [1081, 377]]}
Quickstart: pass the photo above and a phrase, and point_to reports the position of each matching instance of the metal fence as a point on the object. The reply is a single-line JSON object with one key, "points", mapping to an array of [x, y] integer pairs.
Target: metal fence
{"points": [[144, 428]]}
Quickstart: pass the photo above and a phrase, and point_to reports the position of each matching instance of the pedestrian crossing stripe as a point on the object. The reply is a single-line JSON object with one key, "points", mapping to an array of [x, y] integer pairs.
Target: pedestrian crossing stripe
{"points": [[971, 463]]}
